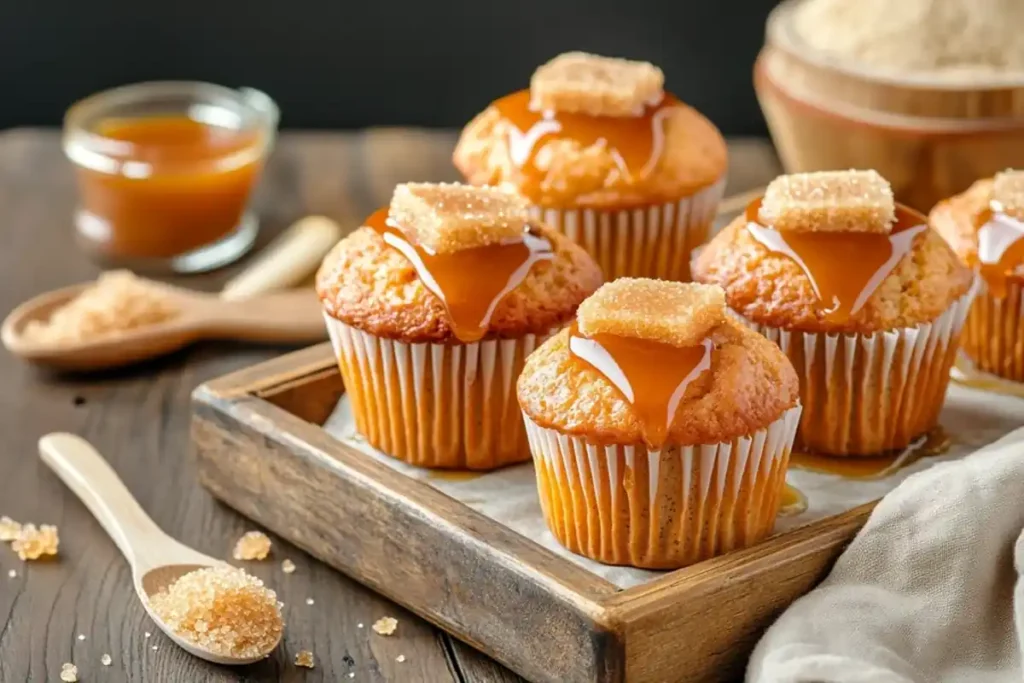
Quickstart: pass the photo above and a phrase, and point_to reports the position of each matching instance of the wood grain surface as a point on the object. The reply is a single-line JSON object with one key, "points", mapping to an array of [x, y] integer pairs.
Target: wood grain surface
{"points": [[139, 419]]}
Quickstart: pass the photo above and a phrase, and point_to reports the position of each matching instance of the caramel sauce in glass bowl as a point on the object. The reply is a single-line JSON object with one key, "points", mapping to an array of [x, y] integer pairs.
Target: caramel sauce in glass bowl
{"points": [[165, 173]]}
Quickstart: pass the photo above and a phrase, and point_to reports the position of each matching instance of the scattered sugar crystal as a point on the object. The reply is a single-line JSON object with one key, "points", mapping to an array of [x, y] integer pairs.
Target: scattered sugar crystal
{"points": [[148, 634], [385, 626], [11, 574], [156, 647], [253, 545], [675, 313], [32, 543], [351, 674], [400, 658], [829, 201], [69, 673], [359, 625], [223, 610], [595, 85], [449, 217], [105, 660], [309, 601], [288, 567], [304, 658], [9, 529], [81, 636]]}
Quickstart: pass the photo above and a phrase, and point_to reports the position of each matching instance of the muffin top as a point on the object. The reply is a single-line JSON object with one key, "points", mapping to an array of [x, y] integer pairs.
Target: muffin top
{"points": [[985, 227], [832, 252], [660, 363], [454, 263], [593, 132]]}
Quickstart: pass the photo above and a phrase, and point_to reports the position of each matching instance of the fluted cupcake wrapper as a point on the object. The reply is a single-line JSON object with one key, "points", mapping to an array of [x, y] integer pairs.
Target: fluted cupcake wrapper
{"points": [[650, 241], [661, 509], [436, 405], [993, 337], [869, 394]]}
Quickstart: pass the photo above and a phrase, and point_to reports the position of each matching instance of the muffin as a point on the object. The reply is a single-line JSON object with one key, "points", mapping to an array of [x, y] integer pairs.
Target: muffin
{"points": [[607, 157], [984, 226], [433, 305], [866, 301], [660, 427]]}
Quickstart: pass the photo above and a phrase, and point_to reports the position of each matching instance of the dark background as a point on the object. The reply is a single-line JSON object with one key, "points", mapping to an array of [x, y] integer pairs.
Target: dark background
{"points": [[355, 63]]}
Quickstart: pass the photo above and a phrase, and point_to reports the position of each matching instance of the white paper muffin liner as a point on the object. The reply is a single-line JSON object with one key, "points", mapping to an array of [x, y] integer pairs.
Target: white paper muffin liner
{"points": [[436, 405], [993, 337], [866, 395], [661, 509], [652, 241]]}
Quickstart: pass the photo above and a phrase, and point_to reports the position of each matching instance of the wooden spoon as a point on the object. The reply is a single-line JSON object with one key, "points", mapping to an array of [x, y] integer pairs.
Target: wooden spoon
{"points": [[156, 559], [292, 317], [240, 313]]}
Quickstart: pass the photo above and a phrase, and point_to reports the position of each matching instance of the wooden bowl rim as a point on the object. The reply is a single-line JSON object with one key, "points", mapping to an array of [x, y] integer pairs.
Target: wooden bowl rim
{"points": [[779, 34], [920, 126]]}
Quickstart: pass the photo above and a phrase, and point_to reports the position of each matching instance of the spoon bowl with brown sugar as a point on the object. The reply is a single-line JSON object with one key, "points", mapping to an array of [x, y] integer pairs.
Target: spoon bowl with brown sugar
{"points": [[178, 586], [289, 317]]}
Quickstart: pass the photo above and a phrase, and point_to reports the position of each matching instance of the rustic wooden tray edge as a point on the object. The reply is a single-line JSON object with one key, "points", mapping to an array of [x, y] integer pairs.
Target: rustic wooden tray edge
{"points": [[260, 449]]}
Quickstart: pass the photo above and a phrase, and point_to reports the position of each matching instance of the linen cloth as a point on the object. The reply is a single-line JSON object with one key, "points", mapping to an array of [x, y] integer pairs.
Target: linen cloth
{"points": [[929, 590]]}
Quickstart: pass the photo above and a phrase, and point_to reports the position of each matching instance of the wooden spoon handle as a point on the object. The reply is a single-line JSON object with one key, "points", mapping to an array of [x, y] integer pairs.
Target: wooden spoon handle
{"points": [[292, 317], [286, 261], [86, 473]]}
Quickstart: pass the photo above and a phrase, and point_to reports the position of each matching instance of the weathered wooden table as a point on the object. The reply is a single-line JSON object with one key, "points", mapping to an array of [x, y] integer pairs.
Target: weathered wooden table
{"points": [[82, 605]]}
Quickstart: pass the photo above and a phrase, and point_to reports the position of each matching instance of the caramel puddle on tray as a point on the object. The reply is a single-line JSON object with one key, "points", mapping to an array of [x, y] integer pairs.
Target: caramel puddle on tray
{"points": [[792, 502], [845, 268], [1000, 249], [470, 282], [935, 442], [651, 376], [453, 475], [637, 142]]}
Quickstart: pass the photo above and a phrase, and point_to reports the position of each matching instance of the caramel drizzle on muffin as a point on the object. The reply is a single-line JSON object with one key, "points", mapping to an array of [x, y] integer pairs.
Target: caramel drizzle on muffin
{"points": [[1000, 227], [470, 246], [589, 100], [648, 338], [842, 228]]}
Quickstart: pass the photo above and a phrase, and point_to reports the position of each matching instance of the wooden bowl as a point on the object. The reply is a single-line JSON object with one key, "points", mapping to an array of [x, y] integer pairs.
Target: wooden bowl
{"points": [[930, 138]]}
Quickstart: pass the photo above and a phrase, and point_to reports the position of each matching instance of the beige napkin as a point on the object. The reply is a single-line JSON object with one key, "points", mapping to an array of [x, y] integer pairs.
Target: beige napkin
{"points": [[928, 591]]}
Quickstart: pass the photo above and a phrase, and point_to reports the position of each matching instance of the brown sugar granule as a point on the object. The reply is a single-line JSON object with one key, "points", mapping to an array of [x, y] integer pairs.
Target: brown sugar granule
{"points": [[9, 529], [676, 313], [385, 626], [118, 301], [288, 567], [223, 610], [32, 543], [69, 673], [449, 217], [578, 82], [829, 201], [253, 545], [304, 658]]}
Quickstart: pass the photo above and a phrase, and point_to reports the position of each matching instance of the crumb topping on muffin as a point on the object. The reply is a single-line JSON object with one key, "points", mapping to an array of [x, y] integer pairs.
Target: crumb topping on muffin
{"points": [[559, 142], [449, 217], [829, 201], [369, 285], [770, 286], [674, 313], [1008, 193], [595, 85], [748, 385]]}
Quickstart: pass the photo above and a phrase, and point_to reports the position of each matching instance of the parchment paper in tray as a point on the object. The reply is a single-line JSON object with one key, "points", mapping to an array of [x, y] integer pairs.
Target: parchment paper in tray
{"points": [[972, 418]]}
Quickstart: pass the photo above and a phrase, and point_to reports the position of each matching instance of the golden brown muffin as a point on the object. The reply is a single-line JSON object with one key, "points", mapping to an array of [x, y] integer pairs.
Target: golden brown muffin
{"points": [[711, 479], [432, 307], [849, 302], [993, 337], [592, 141]]}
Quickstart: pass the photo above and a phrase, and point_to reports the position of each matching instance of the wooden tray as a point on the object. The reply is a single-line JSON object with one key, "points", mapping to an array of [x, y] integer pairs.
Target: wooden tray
{"points": [[261, 449]]}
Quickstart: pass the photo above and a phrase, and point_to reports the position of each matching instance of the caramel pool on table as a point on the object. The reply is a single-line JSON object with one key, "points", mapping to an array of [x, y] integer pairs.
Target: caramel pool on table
{"points": [[167, 186]]}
